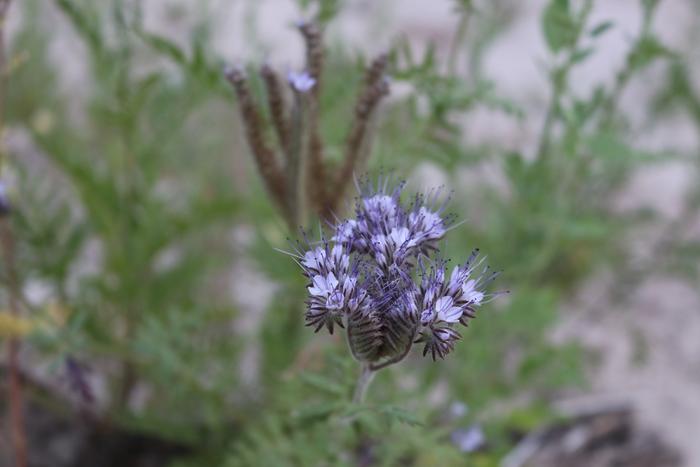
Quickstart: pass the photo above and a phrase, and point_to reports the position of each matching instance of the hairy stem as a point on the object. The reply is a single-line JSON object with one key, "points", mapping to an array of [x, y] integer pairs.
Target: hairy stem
{"points": [[457, 40], [363, 382], [296, 172], [560, 80]]}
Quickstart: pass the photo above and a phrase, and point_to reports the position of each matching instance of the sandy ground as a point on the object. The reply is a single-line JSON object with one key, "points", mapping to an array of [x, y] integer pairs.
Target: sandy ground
{"points": [[649, 344]]}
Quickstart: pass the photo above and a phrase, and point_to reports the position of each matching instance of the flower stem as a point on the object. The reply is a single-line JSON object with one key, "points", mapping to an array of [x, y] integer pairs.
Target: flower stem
{"points": [[363, 382], [296, 176]]}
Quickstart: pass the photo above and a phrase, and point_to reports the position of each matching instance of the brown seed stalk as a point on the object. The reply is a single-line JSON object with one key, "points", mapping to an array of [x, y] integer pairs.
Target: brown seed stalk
{"points": [[278, 106], [314, 54], [376, 87], [265, 158], [317, 190]]}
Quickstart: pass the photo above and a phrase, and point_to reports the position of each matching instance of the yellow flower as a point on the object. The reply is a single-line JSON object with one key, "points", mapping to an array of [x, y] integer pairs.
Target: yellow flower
{"points": [[12, 325], [15, 326]]}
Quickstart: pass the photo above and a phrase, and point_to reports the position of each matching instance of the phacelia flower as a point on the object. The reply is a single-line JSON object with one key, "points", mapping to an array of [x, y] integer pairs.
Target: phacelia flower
{"points": [[377, 278], [301, 82]]}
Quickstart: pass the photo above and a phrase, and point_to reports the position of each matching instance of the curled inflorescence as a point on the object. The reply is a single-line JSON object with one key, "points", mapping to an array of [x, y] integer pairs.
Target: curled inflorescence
{"points": [[381, 278]]}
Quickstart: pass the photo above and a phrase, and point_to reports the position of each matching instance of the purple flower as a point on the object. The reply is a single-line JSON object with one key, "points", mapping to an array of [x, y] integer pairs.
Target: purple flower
{"points": [[470, 439], [301, 82], [376, 279], [4, 201], [76, 374]]}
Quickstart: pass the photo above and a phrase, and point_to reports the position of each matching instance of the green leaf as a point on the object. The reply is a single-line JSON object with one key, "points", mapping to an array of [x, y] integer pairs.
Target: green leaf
{"points": [[601, 28], [324, 384], [610, 147], [400, 415], [648, 49], [317, 412], [85, 22], [558, 25], [328, 9], [581, 55], [164, 46]]}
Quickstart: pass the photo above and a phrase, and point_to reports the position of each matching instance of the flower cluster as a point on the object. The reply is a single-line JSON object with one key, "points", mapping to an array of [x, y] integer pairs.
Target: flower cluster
{"points": [[375, 277]]}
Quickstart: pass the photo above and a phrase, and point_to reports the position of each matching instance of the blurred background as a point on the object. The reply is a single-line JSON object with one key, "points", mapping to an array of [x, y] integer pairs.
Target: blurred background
{"points": [[150, 320]]}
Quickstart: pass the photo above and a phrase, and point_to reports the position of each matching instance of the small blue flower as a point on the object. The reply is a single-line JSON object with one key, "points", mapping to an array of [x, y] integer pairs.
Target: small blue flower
{"points": [[301, 82], [470, 439]]}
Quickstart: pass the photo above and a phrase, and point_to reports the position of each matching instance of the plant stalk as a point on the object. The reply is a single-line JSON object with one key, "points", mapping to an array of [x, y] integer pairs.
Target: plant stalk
{"points": [[296, 177], [17, 427], [18, 435], [363, 382]]}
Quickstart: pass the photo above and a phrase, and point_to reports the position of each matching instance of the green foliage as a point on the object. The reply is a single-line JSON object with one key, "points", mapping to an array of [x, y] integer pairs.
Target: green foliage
{"points": [[323, 428], [323, 10], [558, 25], [121, 199]]}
